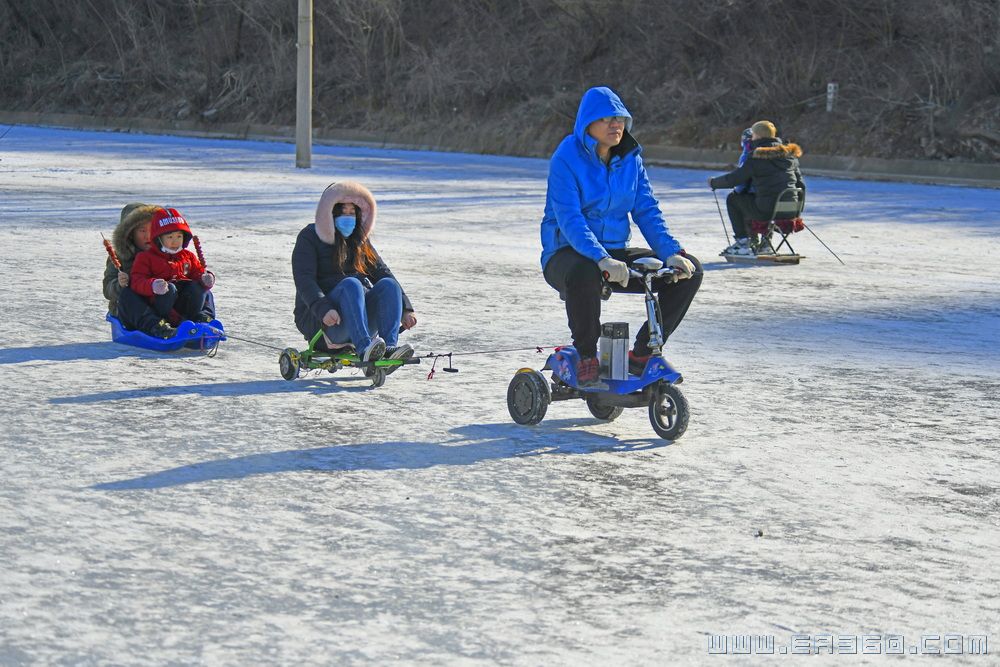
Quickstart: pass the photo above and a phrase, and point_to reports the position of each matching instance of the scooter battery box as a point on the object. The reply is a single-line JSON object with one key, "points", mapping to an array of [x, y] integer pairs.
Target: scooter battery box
{"points": [[613, 346]]}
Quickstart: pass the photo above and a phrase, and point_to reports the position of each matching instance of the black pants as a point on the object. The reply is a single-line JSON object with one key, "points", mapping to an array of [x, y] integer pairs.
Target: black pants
{"points": [[742, 208], [135, 312], [579, 282], [187, 297]]}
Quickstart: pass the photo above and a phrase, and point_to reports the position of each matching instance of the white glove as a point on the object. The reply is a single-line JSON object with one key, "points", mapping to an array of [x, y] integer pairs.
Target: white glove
{"points": [[160, 286], [682, 265], [616, 271], [208, 279]]}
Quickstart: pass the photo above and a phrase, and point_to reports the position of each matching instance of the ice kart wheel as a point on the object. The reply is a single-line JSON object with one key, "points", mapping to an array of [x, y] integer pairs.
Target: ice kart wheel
{"points": [[288, 362], [378, 377], [606, 412], [668, 412], [527, 397]]}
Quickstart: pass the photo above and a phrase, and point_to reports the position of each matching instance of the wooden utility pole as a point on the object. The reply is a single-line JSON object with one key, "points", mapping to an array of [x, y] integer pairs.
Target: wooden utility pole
{"points": [[303, 87]]}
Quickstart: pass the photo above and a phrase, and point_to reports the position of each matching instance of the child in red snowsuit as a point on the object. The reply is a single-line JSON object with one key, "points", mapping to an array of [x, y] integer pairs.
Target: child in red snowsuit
{"points": [[169, 275]]}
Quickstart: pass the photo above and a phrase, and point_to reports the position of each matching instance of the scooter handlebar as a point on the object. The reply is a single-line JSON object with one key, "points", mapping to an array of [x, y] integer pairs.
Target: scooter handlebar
{"points": [[665, 271]]}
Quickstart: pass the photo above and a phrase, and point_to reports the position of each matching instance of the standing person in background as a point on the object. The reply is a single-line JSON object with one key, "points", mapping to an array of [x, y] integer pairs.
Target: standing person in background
{"points": [[746, 148], [772, 168], [597, 186]]}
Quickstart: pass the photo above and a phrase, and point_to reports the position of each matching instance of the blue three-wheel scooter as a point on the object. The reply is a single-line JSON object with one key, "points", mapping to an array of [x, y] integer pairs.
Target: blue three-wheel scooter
{"points": [[529, 394]]}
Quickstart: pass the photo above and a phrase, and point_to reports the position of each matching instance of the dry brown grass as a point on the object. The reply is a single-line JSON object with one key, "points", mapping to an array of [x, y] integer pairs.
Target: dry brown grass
{"points": [[918, 78]]}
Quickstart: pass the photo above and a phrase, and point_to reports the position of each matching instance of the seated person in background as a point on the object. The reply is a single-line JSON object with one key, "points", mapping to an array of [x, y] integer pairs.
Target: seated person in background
{"points": [[773, 167], [169, 276]]}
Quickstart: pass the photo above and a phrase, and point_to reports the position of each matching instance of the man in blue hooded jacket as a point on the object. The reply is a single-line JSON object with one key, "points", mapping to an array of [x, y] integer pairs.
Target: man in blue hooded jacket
{"points": [[597, 186]]}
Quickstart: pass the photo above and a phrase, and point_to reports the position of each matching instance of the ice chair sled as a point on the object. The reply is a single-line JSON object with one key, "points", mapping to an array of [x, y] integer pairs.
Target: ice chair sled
{"points": [[785, 220]]}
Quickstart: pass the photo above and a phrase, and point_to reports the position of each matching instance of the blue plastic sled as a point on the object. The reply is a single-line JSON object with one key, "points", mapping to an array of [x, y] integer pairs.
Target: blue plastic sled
{"points": [[195, 335]]}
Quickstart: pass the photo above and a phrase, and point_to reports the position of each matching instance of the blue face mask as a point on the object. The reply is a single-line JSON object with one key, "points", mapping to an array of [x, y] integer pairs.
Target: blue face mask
{"points": [[345, 224]]}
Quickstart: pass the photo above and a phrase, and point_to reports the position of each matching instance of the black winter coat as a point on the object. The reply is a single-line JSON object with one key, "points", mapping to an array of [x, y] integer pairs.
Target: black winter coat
{"points": [[316, 275], [773, 167]]}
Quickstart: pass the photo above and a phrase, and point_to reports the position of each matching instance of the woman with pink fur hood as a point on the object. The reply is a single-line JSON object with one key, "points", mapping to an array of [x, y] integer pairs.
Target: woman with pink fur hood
{"points": [[342, 286]]}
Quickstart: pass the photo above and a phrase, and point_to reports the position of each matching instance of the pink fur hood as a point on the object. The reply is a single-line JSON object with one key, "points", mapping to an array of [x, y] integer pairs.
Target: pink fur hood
{"points": [[344, 192]]}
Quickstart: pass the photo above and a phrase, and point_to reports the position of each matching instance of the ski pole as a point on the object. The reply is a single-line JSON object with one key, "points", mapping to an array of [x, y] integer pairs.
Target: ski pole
{"points": [[824, 245], [724, 228]]}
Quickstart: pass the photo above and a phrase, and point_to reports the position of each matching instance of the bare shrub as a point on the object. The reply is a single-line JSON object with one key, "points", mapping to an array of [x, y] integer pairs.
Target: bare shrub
{"points": [[917, 77]]}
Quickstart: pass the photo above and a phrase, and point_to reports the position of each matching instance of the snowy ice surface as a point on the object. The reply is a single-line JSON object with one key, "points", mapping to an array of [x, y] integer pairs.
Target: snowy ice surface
{"points": [[840, 472]]}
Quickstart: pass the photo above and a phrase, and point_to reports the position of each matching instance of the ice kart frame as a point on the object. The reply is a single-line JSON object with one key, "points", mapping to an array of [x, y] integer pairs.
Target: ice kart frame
{"points": [[292, 361], [529, 394]]}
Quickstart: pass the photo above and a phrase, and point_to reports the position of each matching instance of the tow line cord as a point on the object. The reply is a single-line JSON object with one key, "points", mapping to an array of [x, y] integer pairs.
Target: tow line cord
{"points": [[450, 368]]}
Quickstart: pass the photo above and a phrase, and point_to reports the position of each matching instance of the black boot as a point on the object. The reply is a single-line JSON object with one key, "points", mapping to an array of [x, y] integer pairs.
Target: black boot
{"points": [[162, 329]]}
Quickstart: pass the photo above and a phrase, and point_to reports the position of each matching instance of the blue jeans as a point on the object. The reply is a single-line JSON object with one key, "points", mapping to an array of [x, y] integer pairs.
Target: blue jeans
{"points": [[366, 313]]}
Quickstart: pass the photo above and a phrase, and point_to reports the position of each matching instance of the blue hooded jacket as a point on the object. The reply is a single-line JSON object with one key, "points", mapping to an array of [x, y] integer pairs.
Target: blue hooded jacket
{"points": [[746, 146], [588, 203]]}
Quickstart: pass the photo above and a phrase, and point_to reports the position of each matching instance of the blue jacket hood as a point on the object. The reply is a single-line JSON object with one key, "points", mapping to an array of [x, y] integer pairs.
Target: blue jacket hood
{"points": [[590, 204], [599, 102]]}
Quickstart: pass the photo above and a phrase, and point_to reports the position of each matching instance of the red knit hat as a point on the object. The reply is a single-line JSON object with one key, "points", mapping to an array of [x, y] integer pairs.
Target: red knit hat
{"points": [[168, 220]]}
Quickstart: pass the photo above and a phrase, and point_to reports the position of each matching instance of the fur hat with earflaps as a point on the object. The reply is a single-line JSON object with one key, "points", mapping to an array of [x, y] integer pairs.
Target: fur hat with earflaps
{"points": [[344, 192], [133, 217]]}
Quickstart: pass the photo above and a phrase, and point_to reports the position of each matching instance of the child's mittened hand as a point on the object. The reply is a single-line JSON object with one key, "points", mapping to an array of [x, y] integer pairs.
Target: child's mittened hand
{"points": [[208, 279], [160, 286], [122, 279]]}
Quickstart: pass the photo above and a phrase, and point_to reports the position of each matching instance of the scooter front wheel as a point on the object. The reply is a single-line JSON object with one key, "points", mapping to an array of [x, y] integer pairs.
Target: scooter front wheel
{"points": [[669, 412], [527, 397]]}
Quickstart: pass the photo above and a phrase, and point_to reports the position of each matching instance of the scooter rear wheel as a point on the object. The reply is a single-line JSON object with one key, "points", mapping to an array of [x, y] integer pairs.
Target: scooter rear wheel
{"points": [[669, 412], [606, 412], [527, 397]]}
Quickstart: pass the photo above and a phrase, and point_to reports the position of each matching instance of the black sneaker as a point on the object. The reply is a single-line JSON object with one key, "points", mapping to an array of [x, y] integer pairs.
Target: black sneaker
{"points": [[374, 351], [162, 329], [203, 318], [399, 353]]}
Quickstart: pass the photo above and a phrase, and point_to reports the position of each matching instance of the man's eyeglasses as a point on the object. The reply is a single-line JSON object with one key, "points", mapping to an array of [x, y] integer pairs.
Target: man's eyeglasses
{"points": [[607, 120]]}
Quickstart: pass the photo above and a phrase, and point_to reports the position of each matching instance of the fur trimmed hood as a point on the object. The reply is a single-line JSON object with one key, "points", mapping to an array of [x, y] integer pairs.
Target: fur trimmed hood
{"points": [[133, 217], [344, 192], [777, 151]]}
